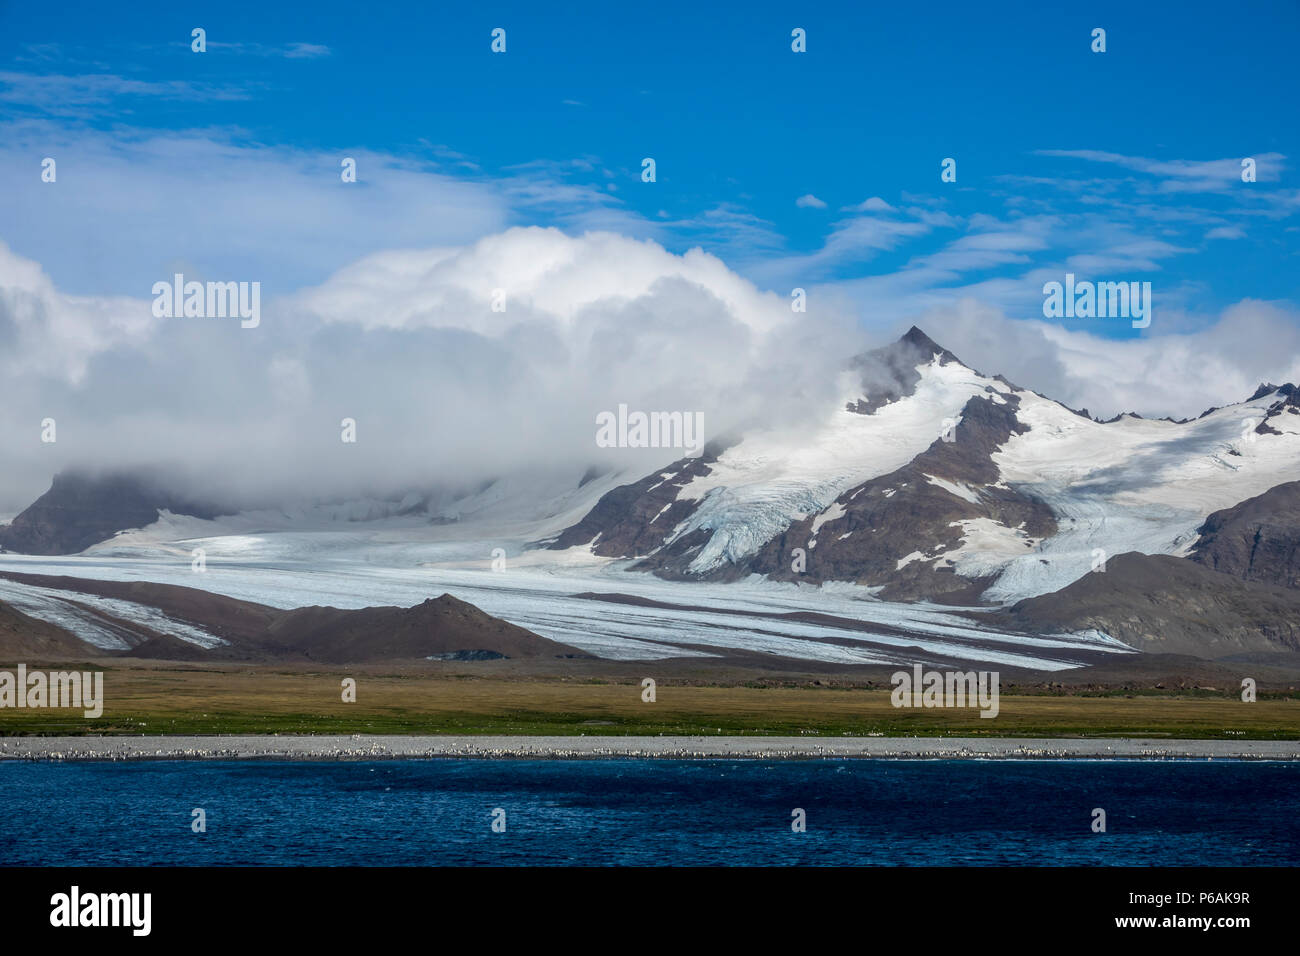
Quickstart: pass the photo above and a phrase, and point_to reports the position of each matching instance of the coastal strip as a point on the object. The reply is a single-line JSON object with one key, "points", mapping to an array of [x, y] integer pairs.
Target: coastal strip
{"points": [[377, 747]]}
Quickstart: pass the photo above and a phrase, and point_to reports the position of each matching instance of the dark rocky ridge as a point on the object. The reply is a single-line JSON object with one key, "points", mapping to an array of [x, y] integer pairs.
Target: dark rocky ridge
{"points": [[1161, 604], [1288, 404], [886, 519], [890, 517], [903, 514], [82, 509], [630, 520], [443, 628], [1266, 388], [25, 638], [1257, 539], [893, 516], [889, 373]]}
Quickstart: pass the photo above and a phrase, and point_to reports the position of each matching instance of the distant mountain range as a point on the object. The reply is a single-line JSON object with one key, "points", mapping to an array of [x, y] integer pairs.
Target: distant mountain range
{"points": [[939, 483], [930, 481]]}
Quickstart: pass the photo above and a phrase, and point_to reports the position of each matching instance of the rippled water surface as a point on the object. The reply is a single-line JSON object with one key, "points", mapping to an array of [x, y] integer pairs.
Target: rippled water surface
{"points": [[650, 812]]}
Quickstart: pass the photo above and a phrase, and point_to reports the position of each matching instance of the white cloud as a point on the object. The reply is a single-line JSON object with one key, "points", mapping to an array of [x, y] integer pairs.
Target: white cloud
{"points": [[71, 95], [1179, 375], [377, 297], [289, 51], [874, 204], [305, 51], [203, 202], [1226, 232], [1183, 175], [858, 239], [46, 332], [809, 201], [443, 388]]}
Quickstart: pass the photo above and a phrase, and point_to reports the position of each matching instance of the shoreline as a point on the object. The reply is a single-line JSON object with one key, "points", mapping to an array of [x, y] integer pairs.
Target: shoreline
{"points": [[395, 747]]}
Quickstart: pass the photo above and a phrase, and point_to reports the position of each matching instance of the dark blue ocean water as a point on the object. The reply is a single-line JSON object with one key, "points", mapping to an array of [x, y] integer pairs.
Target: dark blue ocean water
{"points": [[655, 812]]}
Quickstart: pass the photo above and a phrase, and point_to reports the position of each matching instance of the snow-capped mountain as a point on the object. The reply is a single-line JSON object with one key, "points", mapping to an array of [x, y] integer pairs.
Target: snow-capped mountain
{"points": [[928, 481], [934, 481]]}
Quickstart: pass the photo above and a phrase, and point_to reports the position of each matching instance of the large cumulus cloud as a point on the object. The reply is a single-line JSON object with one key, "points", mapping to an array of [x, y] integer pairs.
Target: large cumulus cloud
{"points": [[443, 387]]}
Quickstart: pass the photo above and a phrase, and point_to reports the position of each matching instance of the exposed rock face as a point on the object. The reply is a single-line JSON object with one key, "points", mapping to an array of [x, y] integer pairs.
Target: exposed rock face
{"points": [[1162, 604], [1288, 403], [876, 524], [894, 530], [81, 509], [944, 525], [443, 628], [1256, 540], [634, 519]]}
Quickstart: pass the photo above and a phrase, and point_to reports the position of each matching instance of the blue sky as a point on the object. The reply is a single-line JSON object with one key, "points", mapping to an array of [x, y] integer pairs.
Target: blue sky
{"points": [[816, 170], [1117, 166]]}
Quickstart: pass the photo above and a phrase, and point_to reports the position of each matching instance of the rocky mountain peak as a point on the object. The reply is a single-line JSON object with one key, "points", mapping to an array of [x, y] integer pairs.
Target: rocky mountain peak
{"points": [[917, 339], [889, 373]]}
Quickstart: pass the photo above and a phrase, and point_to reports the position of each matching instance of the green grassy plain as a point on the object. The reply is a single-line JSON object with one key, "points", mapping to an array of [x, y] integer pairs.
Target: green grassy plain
{"points": [[175, 699]]}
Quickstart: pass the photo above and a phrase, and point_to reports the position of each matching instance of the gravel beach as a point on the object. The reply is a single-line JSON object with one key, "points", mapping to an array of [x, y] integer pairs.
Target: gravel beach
{"points": [[363, 747]]}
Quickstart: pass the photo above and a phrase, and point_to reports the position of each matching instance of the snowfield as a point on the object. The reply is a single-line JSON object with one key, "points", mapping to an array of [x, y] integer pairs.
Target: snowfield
{"points": [[1128, 485], [398, 564], [76, 613], [762, 484], [1134, 484]]}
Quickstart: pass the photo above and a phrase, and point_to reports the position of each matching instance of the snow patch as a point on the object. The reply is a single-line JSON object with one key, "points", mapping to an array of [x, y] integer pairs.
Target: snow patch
{"points": [[908, 559], [986, 547], [955, 488], [756, 487], [834, 512], [1133, 484]]}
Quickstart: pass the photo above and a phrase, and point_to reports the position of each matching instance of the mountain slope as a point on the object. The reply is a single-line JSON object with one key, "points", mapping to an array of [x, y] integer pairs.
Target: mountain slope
{"points": [[163, 621], [1162, 604], [922, 531], [83, 509], [716, 511], [26, 638], [1256, 540], [934, 481]]}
